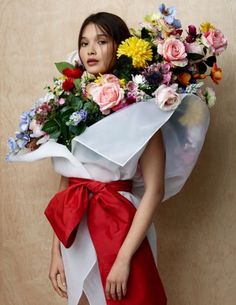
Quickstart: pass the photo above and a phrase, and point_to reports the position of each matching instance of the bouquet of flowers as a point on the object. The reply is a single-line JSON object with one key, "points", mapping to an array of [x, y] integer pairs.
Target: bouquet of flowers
{"points": [[157, 61]]}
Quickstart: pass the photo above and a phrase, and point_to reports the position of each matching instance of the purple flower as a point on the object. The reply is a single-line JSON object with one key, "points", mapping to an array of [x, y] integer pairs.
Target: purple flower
{"points": [[24, 121], [83, 113], [77, 116], [192, 34], [12, 145], [22, 139]]}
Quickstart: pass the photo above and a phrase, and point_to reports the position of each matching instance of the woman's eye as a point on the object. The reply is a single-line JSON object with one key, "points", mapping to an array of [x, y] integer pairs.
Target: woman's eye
{"points": [[84, 44], [102, 41]]}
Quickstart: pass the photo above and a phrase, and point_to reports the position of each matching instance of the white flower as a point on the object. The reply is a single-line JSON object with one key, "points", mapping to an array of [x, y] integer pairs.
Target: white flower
{"points": [[138, 79], [48, 96], [210, 96], [36, 128], [43, 139], [167, 98]]}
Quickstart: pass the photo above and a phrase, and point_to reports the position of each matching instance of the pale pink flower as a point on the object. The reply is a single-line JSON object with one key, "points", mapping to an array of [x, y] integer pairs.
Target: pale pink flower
{"points": [[107, 95], [43, 139], [37, 129], [61, 101], [166, 97], [109, 78], [173, 51], [194, 47], [215, 40]]}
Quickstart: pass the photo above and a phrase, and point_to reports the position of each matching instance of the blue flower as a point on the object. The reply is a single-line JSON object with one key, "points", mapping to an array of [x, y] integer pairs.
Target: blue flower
{"points": [[77, 116], [22, 139], [24, 121], [12, 145], [83, 114], [169, 15]]}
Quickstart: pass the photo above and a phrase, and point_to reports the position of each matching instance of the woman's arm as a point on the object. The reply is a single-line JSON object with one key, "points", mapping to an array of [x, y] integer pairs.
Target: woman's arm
{"points": [[152, 164], [56, 266]]}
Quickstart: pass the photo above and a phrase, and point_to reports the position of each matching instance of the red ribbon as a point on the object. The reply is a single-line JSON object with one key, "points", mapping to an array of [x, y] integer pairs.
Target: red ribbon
{"points": [[109, 217]]}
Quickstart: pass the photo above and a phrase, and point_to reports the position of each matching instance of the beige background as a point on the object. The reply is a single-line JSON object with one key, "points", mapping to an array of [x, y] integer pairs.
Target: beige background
{"points": [[196, 229]]}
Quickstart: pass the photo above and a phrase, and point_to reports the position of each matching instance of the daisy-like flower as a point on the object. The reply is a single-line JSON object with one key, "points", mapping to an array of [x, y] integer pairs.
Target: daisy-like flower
{"points": [[138, 49], [206, 26]]}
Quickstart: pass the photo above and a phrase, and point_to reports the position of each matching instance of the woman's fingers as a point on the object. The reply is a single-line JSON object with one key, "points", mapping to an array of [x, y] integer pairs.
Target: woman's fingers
{"points": [[107, 290], [115, 290], [63, 283], [53, 279], [63, 278], [119, 291]]}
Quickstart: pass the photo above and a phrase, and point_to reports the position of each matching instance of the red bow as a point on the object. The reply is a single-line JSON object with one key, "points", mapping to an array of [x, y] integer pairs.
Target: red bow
{"points": [[109, 216]]}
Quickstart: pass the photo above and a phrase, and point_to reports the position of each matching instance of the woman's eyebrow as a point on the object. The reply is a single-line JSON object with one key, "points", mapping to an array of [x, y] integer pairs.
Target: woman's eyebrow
{"points": [[98, 35]]}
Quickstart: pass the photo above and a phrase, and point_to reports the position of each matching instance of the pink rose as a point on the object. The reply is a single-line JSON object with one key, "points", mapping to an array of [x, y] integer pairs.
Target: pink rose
{"points": [[173, 51], [194, 47], [109, 78], [216, 40], [107, 96], [167, 98]]}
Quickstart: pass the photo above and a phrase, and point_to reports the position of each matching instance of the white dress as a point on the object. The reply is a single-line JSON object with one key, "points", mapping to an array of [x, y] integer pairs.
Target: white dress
{"points": [[109, 150]]}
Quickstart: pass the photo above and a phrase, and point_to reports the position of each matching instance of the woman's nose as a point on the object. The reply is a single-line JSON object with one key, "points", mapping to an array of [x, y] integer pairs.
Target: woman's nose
{"points": [[92, 50]]}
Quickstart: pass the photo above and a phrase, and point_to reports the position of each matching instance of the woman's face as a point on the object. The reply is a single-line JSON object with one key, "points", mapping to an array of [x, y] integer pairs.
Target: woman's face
{"points": [[97, 50]]}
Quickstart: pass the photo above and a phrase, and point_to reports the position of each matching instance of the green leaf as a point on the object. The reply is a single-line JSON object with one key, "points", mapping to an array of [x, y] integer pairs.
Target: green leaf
{"points": [[64, 130], [76, 103], [202, 67], [62, 65], [51, 126], [195, 56], [145, 33], [65, 116], [55, 135], [66, 108], [77, 83], [210, 61], [77, 130]]}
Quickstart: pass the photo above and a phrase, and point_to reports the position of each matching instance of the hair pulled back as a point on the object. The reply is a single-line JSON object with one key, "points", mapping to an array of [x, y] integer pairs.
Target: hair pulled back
{"points": [[109, 23]]}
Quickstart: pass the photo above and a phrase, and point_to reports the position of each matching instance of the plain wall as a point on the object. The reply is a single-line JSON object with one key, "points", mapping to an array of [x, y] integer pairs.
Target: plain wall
{"points": [[196, 228]]}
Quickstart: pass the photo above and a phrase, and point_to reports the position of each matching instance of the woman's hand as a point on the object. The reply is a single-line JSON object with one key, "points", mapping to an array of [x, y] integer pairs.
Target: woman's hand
{"points": [[57, 268], [116, 283]]}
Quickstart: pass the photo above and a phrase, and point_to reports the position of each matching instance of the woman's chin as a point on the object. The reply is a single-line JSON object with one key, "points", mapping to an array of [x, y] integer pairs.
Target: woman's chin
{"points": [[95, 70]]}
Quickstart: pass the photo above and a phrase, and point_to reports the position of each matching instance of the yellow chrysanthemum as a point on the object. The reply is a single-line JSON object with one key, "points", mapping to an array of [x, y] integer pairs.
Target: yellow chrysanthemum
{"points": [[99, 79], [122, 82], [206, 26], [138, 49]]}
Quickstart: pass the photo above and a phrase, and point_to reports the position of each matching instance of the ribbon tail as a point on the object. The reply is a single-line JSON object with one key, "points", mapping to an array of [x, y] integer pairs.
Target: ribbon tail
{"points": [[114, 215], [65, 211]]}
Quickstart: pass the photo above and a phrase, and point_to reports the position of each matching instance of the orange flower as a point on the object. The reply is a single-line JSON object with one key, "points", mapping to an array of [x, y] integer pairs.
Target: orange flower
{"points": [[199, 76], [184, 78], [216, 74]]}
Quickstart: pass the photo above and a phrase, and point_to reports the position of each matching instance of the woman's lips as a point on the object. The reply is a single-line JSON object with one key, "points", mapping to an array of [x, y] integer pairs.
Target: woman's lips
{"points": [[92, 62]]}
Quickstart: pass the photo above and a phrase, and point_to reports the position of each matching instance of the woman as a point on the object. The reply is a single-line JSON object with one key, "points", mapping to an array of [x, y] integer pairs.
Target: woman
{"points": [[99, 37], [115, 175]]}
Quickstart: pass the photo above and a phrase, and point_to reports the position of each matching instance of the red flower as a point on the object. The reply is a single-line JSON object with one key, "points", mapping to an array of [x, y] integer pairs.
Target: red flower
{"points": [[68, 84], [72, 73]]}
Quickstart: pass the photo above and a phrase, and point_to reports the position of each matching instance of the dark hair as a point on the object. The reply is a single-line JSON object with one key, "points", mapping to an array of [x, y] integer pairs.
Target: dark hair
{"points": [[110, 24]]}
